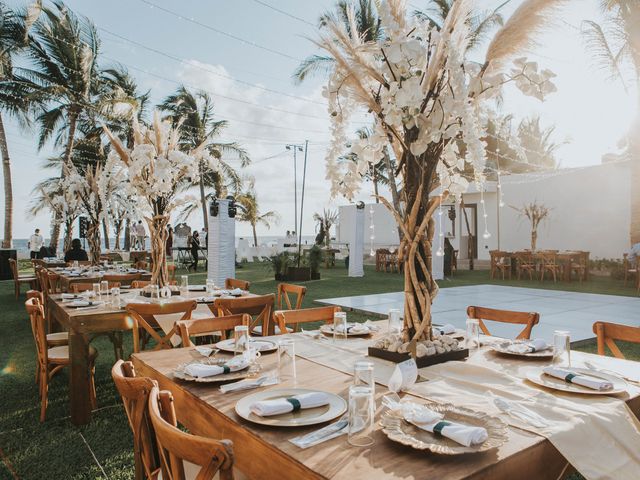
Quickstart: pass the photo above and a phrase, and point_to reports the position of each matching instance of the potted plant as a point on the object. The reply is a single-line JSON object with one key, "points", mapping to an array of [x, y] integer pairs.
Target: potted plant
{"points": [[300, 271], [279, 264], [315, 259]]}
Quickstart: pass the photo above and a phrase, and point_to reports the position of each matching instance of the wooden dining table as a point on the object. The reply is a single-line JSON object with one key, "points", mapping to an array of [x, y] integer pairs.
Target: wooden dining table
{"points": [[67, 280], [83, 325], [265, 452]]}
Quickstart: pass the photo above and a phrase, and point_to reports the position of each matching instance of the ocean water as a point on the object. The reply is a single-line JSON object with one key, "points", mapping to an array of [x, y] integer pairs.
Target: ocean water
{"points": [[20, 244]]}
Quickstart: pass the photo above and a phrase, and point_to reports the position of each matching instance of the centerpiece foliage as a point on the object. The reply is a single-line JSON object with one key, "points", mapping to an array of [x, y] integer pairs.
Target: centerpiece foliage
{"points": [[427, 102]]}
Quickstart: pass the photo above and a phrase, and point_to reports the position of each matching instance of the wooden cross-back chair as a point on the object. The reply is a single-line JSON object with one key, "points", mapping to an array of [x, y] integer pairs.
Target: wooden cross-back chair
{"points": [[141, 265], [549, 263], [53, 282], [135, 392], [529, 319], [607, 333], [208, 326], [83, 287], [307, 315], [176, 448], [500, 262], [122, 278], [51, 360], [525, 264], [259, 307], [18, 279], [231, 283], [146, 325], [53, 339], [286, 289], [85, 263]]}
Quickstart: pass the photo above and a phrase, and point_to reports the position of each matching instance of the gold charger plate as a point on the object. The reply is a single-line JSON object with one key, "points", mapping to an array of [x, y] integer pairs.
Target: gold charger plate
{"points": [[503, 349], [401, 431], [538, 377], [229, 345], [225, 377], [328, 330], [308, 416]]}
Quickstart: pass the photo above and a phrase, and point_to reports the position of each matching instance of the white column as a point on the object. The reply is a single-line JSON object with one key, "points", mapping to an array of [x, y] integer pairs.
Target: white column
{"points": [[356, 247], [222, 245]]}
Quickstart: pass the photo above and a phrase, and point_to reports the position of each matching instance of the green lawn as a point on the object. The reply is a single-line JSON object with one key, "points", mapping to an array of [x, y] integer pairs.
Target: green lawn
{"points": [[59, 450]]}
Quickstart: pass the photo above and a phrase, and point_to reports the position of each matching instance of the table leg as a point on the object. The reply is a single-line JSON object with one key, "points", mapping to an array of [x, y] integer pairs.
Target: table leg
{"points": [[79, 379]]}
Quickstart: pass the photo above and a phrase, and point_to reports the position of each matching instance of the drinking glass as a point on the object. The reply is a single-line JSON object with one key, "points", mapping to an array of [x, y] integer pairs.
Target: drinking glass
{"points": [[184, 285], [395, 325], [155, 292], [361, 416], [363, 374], [104, 287], [211, 286], [76, 265], [473, 333], [339, 326], [240, 339], [562, 348], [251, 353], [115, 297], [287, 361], [97, 291]]}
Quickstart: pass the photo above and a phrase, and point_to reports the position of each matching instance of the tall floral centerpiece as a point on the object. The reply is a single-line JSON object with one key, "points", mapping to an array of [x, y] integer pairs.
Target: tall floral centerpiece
{"points": [[91, 193], [426, 101], [156, 169], [63, 205]]}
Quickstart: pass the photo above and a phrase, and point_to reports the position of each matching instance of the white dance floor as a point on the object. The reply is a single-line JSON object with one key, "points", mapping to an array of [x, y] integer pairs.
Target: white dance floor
{"points": [[558, 310]]}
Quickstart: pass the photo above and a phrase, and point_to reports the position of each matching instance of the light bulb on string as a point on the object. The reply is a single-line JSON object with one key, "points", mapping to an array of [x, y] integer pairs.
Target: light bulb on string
{"points": [[440, 252]]}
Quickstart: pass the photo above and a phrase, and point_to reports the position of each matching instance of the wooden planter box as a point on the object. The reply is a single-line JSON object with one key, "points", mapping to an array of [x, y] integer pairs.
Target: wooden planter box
{"points": [[396, 357], [299, 274]]}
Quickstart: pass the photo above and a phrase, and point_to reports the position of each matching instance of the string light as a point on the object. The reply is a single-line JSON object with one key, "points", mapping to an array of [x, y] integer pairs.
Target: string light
{"points": [[486, 233], [372, 234], [440, 251]]}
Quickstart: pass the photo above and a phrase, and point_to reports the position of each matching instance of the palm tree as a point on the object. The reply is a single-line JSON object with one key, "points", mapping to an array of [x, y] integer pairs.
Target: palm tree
{"points": [[367, 24], [193, 115], [64, 51], [480, 23], [14, 29], [247, 201], [325, 221]]}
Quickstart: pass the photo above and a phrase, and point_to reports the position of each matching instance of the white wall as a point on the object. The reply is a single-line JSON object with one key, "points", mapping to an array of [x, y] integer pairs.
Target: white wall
{"points": [[385, 231]]}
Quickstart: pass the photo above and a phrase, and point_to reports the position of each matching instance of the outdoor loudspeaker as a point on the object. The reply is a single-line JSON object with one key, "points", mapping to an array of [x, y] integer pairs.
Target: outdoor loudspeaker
{"points": [[213, 208], [233, 209]]}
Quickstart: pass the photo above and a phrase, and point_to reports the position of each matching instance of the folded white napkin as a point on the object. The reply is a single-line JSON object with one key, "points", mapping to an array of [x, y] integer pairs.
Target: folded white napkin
{"points": [[236, 291], [371, 326], [197, 288], [279, 406], [205, 299], [584, 380], [531, 346], [201, 370], [67, 296], [447, 329]]}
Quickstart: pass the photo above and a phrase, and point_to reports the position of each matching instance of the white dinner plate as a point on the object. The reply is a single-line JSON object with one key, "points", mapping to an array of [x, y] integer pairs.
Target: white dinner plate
{"points": [[308, 416], [264, 346], [538, 377], [503, 348], [328, 330]]}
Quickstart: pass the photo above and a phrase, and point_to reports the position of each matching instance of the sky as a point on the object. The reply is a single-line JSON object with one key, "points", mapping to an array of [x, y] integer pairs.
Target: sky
{"points": [[243, 53]]}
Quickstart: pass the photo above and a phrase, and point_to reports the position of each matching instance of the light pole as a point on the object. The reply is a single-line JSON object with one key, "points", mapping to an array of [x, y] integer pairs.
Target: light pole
{"points": [[296, 148]]}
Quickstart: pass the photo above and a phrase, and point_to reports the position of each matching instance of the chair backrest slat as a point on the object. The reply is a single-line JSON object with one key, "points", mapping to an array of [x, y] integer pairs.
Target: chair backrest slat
{"points": [[504, 316], [200, 326], [284, 302], [231, 283], [135, 392], [307, 315], [607, 333], [175, 446], [143, 315], [36, 315], [259, 307], [123, 278]]}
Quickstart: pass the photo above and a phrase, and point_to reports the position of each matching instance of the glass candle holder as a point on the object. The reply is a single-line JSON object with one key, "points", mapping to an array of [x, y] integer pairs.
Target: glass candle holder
{"points": [[361, 416], [339, 326], [562, 348], [473, 334]]}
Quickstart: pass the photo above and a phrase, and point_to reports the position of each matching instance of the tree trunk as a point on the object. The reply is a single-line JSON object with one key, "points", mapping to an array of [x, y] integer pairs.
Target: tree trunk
{"points": [[57, 218], [105, 232], [8, 190], [127, 235], [534, 240], [93, 237], [68, 233], [117, 225], [158, 233], [255, 235], [203, 200]]}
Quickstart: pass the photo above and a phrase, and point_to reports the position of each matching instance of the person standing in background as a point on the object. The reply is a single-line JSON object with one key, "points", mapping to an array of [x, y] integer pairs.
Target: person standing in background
{"points": [[195, 250], [140, 235], [35, 243]]}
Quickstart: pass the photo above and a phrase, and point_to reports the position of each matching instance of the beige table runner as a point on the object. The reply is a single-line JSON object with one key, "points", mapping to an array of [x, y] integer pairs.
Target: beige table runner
{"points": [[599, 436]]}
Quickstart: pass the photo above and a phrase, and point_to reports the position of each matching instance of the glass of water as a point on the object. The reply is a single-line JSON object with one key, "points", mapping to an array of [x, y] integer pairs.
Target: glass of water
{"points": [[361, 416], [473, 333], [96, 292], [115, 297], [184, 285], [395, 324], [562, 348], [155, 292], [240, 339], [339, 326], [287, 361], [211, 286], [104, 287]]}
